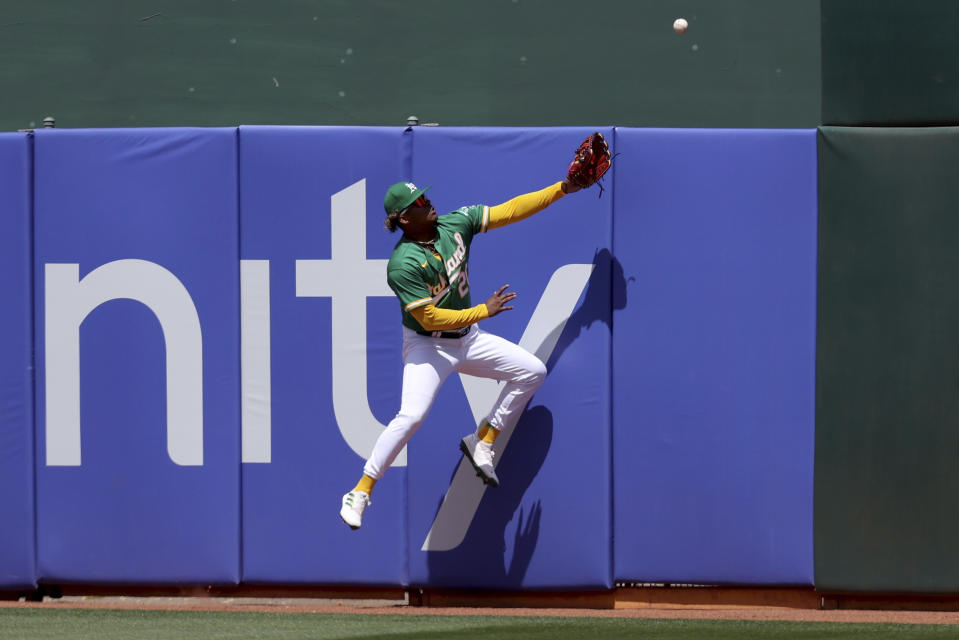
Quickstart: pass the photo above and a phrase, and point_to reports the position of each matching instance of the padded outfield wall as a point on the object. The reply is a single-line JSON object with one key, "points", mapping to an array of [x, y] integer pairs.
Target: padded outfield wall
{"points": [[17, 561], [208, 380], [216, 349], [886, 407]]}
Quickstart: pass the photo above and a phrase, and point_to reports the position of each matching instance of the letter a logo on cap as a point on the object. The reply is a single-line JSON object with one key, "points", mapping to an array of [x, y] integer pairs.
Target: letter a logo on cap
{"points": [[411, 187]]}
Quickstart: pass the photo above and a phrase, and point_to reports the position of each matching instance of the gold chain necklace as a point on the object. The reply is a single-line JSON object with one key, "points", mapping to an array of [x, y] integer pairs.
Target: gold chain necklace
{"points": [[428, 245]]}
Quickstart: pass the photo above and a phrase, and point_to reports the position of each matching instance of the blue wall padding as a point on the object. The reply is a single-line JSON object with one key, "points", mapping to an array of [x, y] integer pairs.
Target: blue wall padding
{"points": [[672, 440], [17, 546], [548, 524], [291, 529], [129, 514], [713, 366]]}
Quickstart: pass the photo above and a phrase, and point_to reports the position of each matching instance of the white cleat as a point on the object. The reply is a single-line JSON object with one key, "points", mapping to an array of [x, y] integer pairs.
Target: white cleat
{"points": [[354, 504], [480, 455]]}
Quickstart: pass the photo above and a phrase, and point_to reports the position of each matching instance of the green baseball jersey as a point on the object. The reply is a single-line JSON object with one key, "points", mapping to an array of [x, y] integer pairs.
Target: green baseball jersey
{"points": [[418, 277]]}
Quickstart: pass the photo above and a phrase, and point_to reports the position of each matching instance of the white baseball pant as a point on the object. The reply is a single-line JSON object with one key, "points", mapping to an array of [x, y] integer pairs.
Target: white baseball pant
{"points": [[427, 362]]}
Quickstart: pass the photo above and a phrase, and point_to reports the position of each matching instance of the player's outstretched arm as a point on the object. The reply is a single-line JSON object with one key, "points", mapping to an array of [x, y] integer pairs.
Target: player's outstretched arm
{"points": [[522, 207], [590, 162]]}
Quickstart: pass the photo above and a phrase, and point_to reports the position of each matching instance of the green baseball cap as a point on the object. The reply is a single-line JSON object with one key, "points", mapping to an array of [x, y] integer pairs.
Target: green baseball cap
{"points": [[402, 195]]}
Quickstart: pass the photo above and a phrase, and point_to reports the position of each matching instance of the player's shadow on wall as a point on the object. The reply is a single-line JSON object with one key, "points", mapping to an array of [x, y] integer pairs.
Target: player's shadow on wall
{"points": [[484, 559], [480, 560]]}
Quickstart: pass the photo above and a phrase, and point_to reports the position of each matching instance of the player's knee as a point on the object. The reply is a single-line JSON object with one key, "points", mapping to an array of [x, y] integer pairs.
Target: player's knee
{"points": [[536, 375]]}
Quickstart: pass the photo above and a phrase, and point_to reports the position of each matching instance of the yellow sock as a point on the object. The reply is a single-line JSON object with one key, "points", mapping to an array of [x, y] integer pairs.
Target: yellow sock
{"points": [[365, 485], [487, 433]]}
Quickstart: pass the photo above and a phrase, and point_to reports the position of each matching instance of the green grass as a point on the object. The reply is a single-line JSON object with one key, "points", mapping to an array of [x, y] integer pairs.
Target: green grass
{"points": [[109, 625]]}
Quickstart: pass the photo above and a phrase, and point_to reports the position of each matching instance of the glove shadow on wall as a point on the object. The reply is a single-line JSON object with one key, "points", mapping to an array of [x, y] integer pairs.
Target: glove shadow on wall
{"points": [[606, 291]]}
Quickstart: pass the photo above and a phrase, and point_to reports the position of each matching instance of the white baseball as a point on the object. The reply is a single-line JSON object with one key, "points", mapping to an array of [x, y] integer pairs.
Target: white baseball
{"points": [[680, 25]]}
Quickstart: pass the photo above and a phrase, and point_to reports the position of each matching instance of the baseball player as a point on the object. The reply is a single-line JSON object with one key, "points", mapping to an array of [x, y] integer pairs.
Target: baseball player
{"points": [[429, 273]]}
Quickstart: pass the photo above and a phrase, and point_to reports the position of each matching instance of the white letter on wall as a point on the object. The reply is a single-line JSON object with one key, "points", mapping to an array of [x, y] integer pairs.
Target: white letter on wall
{"points": [[70, 300], [257, 389], [349, 278]]}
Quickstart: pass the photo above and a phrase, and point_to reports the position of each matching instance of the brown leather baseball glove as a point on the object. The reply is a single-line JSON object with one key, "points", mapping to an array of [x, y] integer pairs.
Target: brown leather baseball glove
{"points": [[591, 161]]}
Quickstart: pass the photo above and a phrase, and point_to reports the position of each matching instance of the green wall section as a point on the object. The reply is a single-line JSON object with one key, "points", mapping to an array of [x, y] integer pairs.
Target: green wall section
{"points": [[104, 63], [890, 62], [887, 375], [743, 63]]}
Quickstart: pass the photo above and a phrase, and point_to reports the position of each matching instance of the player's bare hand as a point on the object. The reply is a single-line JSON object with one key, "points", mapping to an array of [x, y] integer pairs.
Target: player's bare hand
{"points": [[499, 300]]}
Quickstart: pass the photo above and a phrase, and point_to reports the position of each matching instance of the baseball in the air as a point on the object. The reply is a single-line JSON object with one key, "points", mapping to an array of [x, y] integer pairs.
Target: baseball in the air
{"points": [[680, 25]]}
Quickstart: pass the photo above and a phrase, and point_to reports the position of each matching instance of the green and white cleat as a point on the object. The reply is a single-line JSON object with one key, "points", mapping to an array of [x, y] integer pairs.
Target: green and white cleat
{"points": [[354, 504], [480, 455]]}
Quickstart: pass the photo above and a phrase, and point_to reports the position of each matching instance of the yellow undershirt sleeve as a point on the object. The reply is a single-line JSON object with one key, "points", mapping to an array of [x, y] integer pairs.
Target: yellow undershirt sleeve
{"points": [[434, 319], [522, 207]]}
